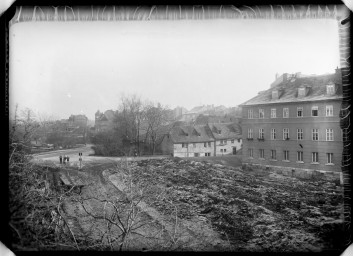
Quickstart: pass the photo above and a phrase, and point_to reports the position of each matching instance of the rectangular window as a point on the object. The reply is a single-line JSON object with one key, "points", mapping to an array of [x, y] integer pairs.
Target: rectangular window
{"points": [[209, 144], [299, 134], [205, 144], [261, 113], [194, 145], [261, 133], [273, 113], [329, 134], [221, 150], [275, 94], [300, 156], [239, 140], [261, 153], [224, 150], [301, 92], [251, 152], [273, 134], [225, 142], [286, 155], [329, 110], [273, 154], [250, 133], [184, 145], [315, 134], [285, 112], [315, 157], [330, 89], [315, 111], [286, 133], [250, 114], [232, 141], [299, 112], [329, 158]]}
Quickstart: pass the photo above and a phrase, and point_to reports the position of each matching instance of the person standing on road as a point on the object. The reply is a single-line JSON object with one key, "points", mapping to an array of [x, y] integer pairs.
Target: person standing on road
{"points": [[67, 158], [61, 159], [64, 159]]}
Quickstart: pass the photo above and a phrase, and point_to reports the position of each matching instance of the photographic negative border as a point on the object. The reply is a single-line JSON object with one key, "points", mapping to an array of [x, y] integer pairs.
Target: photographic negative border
{"points": [[340, 13]]}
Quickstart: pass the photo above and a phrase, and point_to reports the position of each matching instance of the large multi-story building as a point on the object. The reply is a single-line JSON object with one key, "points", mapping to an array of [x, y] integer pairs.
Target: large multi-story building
{"points": [[295, 123]]}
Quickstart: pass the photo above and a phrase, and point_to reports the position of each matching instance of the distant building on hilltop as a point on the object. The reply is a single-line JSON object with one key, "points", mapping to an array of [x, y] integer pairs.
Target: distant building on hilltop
{"points": [[78, 120], [104, 121], [179, 111], [205, 119], [295, 123]]}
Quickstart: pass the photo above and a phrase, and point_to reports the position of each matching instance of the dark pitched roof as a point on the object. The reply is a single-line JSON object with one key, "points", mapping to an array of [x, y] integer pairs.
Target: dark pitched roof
{"points": [[315, 84], [227, 130], [191, 134], [109, 114]]}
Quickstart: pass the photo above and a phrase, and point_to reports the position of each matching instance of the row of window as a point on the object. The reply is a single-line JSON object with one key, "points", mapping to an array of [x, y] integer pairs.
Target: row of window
{"points": [[315, 134], [314, 112], [208, 144], [273, 156], [330, 89]]}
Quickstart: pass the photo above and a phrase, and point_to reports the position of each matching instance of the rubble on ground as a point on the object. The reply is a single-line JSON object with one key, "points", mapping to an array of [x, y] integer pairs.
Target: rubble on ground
{"points": [[253, 210]]}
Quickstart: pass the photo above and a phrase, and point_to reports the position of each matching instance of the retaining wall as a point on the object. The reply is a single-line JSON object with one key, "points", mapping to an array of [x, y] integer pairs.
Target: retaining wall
{"points": [[301, 173]]}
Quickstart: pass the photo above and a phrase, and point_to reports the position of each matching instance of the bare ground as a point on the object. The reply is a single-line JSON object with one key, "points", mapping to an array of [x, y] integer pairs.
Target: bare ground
{"points": [[194, 205]]}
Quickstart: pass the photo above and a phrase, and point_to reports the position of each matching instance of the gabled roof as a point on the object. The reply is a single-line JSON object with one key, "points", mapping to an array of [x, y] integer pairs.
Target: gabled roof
{"points": [[196, 133], [108, 115], [315, 84], [228, 130]]}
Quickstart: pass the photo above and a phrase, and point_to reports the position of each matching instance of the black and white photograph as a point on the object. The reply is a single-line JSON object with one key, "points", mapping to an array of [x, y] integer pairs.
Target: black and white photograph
{"points": [[178, 128]]}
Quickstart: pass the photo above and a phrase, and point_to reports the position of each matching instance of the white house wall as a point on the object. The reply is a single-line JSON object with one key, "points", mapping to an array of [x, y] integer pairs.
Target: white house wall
{"points": [[228, 147], [190, 151]]}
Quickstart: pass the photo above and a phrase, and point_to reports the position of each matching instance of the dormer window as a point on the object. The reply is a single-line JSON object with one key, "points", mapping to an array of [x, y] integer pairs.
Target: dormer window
{"points": [[330, 89], [195, 132], [301, 92], [275, 94]]}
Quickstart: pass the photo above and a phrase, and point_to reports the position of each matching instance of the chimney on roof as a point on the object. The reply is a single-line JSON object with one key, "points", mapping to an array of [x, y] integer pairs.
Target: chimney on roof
{"points": [[337, 70], [285, 77]]}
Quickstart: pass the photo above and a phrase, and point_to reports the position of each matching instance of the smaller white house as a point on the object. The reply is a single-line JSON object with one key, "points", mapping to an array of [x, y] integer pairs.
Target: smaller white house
{"points": [[227, 138], [189, 141], [202, 140]]}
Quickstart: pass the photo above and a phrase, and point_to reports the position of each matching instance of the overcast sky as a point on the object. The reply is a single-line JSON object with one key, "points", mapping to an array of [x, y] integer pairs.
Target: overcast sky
{"points": [[65, 68]]}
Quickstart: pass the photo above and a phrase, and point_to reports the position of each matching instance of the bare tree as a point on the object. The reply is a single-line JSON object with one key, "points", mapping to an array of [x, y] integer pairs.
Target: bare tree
{"points": [[155, 116], [129, 118]]}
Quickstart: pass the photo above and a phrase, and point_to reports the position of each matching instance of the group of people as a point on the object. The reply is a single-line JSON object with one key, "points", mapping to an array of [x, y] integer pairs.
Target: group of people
{"points": [[64, 159]]}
